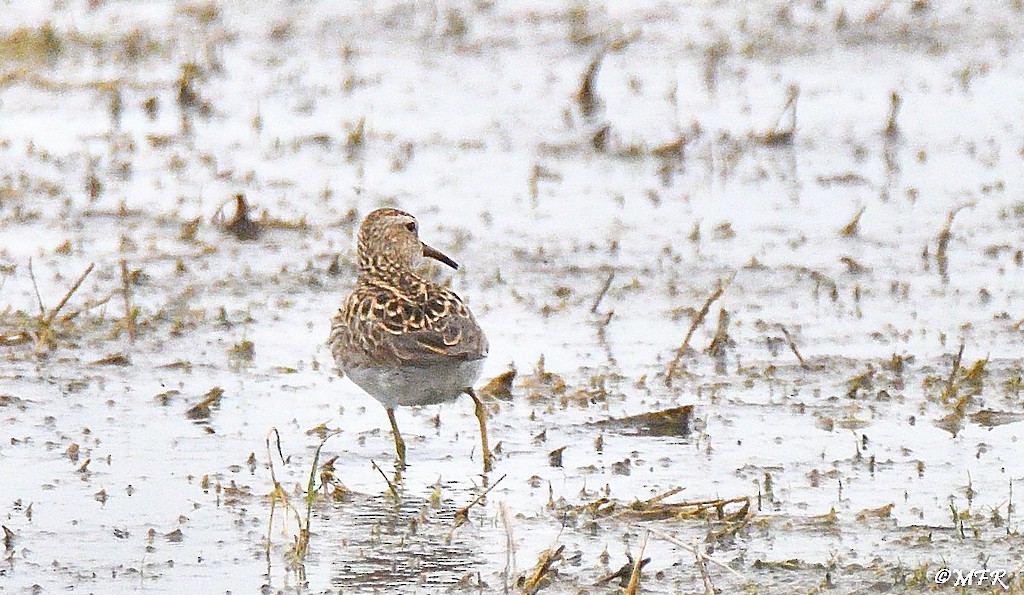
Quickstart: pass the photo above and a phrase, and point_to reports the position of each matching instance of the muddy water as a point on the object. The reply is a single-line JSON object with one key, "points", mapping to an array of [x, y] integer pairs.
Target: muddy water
{"points": [[870, 464]]}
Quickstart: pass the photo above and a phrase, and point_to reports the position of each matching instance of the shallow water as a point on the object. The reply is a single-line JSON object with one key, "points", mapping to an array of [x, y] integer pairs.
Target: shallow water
{"points": [[855, 462]]}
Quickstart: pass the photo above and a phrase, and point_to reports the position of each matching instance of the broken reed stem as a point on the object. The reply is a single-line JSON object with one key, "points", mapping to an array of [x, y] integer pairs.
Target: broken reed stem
{"points": [[544, 564], [662, 496], [89, 306], [698, 554], [692, 550], [853, 227], [510, 544], [791, 95], [697, 320], [126, 292], [792, 347], [942, 241], [67, 296], [600, 294], [638, 562], [586, 98]]}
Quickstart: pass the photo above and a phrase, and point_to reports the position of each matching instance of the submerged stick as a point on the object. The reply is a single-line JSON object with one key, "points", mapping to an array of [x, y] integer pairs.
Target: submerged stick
{"points": [[697, 320]]}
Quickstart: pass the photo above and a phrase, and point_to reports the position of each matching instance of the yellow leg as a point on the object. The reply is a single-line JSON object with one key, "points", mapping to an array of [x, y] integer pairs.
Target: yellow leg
{"points": [[481, 416], [399, 443]]}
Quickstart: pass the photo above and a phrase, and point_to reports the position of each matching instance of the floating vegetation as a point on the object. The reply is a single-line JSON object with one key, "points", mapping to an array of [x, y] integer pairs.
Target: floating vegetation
{"points": [[676, 421]]}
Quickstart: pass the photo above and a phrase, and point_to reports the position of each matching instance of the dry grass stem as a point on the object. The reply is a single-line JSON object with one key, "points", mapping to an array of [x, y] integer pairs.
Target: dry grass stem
{"points": [[697, 320], [126, 292], [942, 242], [852, 228], [692, 550], [602, 292], [56, 309], [462, 514], [638, 562], [796, 352]]}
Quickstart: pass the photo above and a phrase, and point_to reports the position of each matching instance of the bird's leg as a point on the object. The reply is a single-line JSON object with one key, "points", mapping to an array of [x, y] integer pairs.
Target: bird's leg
{"points": [[481, 416], [399, 443]]}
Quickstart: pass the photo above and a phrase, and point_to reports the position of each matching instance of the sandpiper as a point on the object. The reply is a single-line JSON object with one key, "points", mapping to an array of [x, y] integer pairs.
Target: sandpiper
{"points": [[401, 338]]}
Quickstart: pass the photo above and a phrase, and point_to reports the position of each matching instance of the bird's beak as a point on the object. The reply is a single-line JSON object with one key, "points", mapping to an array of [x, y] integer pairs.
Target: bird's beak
{"points": [[438, 255]]}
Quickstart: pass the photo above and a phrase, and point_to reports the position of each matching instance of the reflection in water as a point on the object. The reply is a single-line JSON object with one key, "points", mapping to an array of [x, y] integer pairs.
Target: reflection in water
{"points": [[375, 543]]}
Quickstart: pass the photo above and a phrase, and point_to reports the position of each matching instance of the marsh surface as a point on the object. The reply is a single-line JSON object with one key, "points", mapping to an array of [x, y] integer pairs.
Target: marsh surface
{"points": [[593, 218]]}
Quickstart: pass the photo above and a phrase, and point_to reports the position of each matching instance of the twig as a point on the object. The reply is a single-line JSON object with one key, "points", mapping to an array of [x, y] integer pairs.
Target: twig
{"points": [[464, 511], [32, 276], [462, 514], [278, 491], [945, 234], [89, 305], [690, 549], [53, 313], [792, 347], [775, 137], [792, 93], [270, 457], [698, 553], [126, 292], [634, 577], [600, 294], [697, 320], [391, 486]]}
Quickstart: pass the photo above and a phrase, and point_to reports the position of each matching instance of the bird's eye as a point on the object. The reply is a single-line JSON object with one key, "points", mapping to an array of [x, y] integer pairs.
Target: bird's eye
{"points": [[411, 226]]}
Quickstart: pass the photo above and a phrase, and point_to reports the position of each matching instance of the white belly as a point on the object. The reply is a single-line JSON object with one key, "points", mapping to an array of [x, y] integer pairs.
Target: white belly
{"points": [[414, 385]]}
